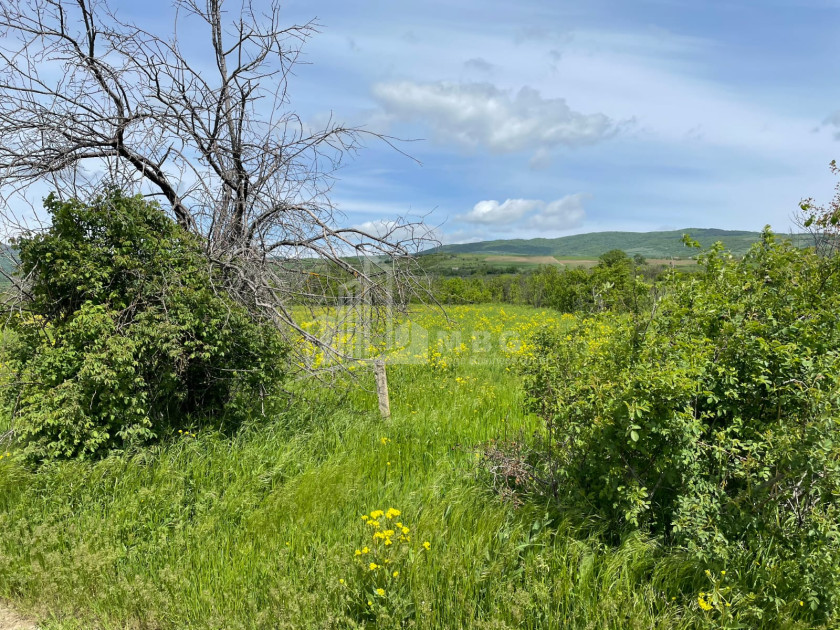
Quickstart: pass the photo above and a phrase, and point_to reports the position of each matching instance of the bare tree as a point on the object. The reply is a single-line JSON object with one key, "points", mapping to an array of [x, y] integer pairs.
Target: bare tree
{"points": [[202, 123]]}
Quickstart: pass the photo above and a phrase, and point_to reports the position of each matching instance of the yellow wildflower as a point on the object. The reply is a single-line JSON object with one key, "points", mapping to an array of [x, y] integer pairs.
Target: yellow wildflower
{"points": [[373, 566], [365, 550], [391, 513], [380, 592], [396, 574], [426, 545], [703, 603], [377, 514], [358, 553]]}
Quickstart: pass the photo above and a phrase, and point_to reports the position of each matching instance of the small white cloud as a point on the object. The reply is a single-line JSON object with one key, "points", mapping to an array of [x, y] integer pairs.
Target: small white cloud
{"points": [[491, 212], [561, 214], [465, 236], [400, 231], [482, 115]]}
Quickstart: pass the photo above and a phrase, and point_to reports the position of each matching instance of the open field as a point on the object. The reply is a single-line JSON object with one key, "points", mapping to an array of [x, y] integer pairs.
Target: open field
{"points": [[261, 530], [268, 528]]}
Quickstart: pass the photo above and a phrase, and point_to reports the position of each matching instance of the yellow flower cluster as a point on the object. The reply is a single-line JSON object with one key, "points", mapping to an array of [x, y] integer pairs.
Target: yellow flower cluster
{"points": [[379, 564], [385, 535], [719, 598], [436, 359]]}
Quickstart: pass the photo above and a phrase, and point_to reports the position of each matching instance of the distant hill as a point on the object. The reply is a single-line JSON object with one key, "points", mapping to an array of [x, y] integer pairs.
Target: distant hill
{"points": [[648, 244]]}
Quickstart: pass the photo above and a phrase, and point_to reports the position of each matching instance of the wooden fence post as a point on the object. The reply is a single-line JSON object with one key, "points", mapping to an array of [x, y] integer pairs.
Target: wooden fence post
{"points": [[382, 388]]}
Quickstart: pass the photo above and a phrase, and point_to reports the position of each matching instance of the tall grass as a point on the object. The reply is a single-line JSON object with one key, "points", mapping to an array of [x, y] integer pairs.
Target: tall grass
{"points": [[259, 530]]}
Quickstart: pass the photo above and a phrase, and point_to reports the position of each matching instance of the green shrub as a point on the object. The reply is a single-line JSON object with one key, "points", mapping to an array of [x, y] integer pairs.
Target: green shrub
{"points": [[122, 333], [713, 421]]}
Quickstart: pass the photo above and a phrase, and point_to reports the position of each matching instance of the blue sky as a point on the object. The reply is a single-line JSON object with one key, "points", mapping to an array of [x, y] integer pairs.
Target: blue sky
{"points": [[546, 118]]}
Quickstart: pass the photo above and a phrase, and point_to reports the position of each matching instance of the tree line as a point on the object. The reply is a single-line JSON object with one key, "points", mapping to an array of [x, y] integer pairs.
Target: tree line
{"points": [[617, 282]]}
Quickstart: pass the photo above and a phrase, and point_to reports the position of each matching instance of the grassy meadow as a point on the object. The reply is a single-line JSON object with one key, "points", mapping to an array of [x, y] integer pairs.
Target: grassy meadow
{"points": [[269, 528]]}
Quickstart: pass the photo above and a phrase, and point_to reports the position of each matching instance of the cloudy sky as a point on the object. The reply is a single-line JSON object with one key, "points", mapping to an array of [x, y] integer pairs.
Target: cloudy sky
{"points": [[551, 117]]}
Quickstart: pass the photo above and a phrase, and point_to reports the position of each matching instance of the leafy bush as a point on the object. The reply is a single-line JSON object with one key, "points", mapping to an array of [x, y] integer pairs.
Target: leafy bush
{"points": [[713, 421], [122, 333]]}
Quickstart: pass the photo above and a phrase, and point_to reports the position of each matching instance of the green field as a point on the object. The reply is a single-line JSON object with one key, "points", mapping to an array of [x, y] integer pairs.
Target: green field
{"points": [[260, 530]]}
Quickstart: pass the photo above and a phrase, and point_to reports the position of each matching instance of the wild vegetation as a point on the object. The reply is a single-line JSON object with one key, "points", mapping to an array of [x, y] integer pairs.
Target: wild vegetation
{"points": [[662, 481], [711, 422], [120, 332], [261, 530], [188, 428]]}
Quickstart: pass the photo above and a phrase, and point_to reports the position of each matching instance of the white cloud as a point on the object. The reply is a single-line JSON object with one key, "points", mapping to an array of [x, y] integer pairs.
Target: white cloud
{"points": [[491, 212], [482, 115], [400, 232], [561, 214]]}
